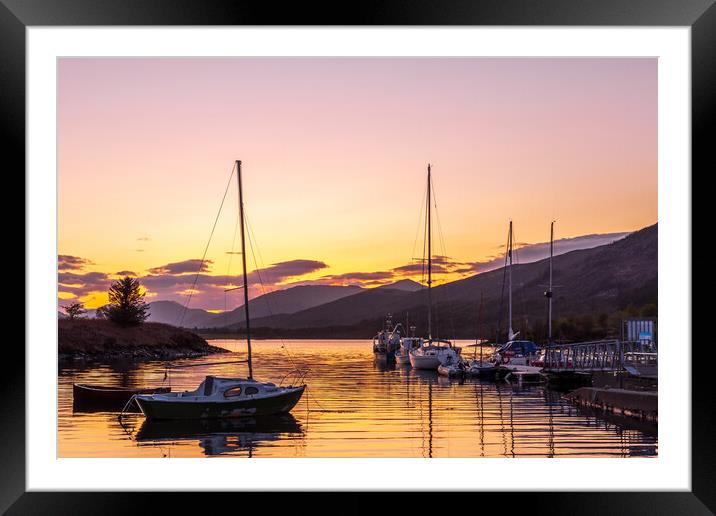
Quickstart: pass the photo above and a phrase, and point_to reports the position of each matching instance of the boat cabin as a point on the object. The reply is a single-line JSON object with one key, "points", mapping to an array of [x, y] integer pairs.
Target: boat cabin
{"points": [[519, 348], [226, 389]]}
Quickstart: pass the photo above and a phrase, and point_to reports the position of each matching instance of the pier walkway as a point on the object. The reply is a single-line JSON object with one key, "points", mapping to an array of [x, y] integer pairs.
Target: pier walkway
{"points": [[639, 358]]}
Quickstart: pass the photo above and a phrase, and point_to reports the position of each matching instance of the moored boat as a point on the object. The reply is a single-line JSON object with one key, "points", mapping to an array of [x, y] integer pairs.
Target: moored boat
{"points": [[222, 398], [387, 341], [407, 344], [226, 397], [112, 396], [452, 367], [432, 352]]}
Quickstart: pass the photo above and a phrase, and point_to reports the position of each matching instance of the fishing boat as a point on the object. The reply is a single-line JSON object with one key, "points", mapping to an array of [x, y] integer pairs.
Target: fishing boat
{"points": [[387, 341], [104, 395], [226, 397], [432, 352]]}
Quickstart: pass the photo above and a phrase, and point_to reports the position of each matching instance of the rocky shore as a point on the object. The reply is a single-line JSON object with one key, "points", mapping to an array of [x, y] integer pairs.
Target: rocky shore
{"points": [[96, 339]]}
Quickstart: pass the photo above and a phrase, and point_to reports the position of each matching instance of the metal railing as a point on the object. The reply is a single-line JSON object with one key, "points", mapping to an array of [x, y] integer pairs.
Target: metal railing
{"points": [[600, 355]]}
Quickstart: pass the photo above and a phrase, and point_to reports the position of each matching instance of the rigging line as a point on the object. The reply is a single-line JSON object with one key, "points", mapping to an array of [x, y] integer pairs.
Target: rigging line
{"points": [[206, 249], [228, 268], [417, 226], [502, 295], [253, 244], [441, 240], [521, 291]]}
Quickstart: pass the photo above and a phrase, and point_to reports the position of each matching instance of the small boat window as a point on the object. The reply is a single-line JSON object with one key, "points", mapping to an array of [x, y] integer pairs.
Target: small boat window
{"points": [[233, 392], [251, 390]]}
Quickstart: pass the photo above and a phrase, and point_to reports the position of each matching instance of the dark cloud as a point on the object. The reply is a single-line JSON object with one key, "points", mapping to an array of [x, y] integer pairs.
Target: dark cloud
{"points": [[125, 273], [187, 266], [412, 269], [82, 284], [66, 262], [279, 272]]}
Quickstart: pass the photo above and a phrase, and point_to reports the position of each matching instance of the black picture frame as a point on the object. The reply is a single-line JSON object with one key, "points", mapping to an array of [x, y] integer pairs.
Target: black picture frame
{"points": [[700, 15]]}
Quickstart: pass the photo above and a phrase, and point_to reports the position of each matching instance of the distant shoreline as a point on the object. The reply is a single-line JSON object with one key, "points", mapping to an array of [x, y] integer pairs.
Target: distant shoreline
{"points": [[97, 339]]}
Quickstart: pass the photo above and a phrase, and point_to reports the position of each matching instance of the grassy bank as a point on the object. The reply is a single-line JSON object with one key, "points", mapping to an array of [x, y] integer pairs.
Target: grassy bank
{"points": [[101, 339]]}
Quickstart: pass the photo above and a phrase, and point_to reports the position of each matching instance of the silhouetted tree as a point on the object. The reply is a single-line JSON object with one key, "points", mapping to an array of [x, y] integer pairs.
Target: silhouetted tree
{"points": [[75, 310], [126, 303]]}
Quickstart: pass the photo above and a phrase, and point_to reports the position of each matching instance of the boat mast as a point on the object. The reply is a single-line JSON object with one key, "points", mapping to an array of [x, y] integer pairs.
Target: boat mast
{"points": [[430, 265], [509, 290], [549, 289], [243, 262]]}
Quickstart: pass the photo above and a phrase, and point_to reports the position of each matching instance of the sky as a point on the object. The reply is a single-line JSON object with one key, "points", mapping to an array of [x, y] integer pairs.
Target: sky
{"points": [[334, 157]]}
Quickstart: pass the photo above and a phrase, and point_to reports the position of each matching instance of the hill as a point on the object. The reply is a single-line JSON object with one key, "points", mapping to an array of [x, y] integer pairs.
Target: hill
{"points": [[101, 339], [286, 301], [589, 283], [406, 285]]}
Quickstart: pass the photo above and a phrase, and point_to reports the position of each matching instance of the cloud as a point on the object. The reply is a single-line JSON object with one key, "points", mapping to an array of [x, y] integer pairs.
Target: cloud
{"points": [[527, 253], [143, 239], [82, 284], [66, 262], [281, 271], [173, 281], [187, 266]]}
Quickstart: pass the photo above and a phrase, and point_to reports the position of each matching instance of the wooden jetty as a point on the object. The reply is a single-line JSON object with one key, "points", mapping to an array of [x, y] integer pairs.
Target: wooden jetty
{"points": [[643, 405]]}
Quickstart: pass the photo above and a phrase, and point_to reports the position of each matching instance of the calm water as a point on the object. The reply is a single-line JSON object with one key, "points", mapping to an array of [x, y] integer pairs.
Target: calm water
{"points": [[354, 407]]}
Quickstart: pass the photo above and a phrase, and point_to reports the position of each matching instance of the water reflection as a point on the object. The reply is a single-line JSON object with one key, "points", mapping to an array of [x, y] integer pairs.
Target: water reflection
{"points": [[217, 436], [354, 407]]}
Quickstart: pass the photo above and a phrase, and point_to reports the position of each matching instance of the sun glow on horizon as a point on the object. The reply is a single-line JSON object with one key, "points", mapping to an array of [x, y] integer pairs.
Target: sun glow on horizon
{"points": [[334, 155]]}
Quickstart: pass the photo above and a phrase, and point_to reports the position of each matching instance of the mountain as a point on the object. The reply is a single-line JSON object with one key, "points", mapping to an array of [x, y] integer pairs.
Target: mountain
{"points": [[406, 285], [600, 280], [286, 301], [170, 312]]}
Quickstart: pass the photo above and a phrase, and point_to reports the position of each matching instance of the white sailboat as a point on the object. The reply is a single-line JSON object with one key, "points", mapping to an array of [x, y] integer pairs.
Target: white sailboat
{"points": [[515, 355], [432, 352]]}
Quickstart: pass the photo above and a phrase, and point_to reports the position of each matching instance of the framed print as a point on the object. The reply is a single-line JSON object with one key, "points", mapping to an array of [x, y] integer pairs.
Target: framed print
{"points": [[425, 249]]}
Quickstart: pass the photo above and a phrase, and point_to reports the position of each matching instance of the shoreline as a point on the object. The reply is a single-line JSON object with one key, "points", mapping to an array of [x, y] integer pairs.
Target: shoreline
{"points": [[102, 341]]}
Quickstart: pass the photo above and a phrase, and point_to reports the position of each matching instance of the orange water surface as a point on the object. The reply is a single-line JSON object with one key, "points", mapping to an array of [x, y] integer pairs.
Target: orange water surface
{"points": [[354, 407]]}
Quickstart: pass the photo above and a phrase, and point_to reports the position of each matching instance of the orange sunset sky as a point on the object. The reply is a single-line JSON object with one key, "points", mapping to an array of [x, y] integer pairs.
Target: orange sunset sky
{"points": [[334, 156]]}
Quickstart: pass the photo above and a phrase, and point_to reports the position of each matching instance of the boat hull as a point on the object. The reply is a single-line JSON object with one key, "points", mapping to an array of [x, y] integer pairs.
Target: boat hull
{"points": [[83, 394], [429, 362], [280, 403], [402, 359], [450, 372]]}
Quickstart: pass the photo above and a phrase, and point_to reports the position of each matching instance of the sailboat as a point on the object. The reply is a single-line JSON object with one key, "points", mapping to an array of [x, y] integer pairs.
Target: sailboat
{"points": [[432, 352], [515, 355], [225, 397]]}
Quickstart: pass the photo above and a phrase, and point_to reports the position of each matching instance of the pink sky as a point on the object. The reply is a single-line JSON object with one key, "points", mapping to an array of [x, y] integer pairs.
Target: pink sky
{"points": [[335, 152]]}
